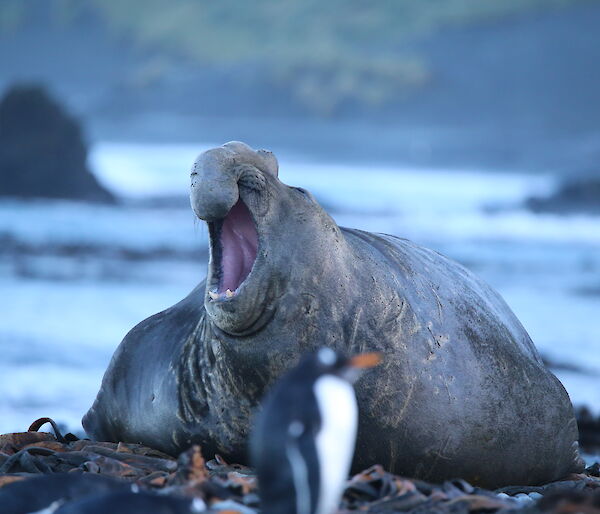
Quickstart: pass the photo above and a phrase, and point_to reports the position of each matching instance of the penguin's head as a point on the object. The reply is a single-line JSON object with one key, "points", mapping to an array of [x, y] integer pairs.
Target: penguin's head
{"points": [[328, 362]]}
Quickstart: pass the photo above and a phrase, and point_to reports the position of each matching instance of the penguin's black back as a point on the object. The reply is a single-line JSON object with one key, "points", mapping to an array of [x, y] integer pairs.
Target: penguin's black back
{"points": [[273, 446]]}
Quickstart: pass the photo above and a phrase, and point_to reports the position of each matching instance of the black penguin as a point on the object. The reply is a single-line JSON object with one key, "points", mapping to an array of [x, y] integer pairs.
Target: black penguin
{"points": [[303, 441]]}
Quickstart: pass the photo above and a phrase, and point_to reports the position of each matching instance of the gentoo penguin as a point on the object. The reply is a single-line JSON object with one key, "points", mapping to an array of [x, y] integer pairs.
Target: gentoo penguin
{"points": [[303, 441]]}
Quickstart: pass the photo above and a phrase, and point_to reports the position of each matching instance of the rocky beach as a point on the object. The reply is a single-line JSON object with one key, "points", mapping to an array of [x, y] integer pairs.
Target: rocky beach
{"points": [[49, 472]]}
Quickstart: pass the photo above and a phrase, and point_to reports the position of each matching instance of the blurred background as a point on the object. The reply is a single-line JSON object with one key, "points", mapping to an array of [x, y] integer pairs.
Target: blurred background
{"points": [[469, 126]]}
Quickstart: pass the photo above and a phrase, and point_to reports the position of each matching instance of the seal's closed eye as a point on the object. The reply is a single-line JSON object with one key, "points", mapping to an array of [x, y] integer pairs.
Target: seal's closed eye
{"points": [[303, 191]]}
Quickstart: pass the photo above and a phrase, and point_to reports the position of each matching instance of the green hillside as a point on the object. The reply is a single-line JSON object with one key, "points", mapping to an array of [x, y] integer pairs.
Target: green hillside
{"points": [[325, 53]]}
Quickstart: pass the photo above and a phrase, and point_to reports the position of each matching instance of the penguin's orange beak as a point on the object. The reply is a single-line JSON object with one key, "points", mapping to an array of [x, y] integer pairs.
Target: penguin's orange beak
{"points": [[365, 360]]}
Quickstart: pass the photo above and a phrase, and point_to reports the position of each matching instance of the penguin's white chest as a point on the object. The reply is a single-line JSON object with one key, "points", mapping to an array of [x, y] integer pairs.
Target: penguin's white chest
{"points": [[336, 439]]}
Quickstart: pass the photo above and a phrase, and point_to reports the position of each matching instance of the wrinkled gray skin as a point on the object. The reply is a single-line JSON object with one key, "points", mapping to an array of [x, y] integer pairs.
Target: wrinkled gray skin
{"points": [[462, 391]]}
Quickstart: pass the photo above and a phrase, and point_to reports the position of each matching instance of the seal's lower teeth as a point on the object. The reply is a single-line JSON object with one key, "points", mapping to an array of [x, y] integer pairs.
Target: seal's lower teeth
{"points": [[214, 295]]}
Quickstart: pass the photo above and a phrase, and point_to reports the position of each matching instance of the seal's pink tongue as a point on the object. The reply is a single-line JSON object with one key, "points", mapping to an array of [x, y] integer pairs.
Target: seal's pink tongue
{"points": [[239, 242]]}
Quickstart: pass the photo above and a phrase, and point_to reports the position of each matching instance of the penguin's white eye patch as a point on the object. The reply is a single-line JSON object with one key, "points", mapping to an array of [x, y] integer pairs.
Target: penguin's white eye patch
{"points": [[296, 428], [198, 505], [326, 356]]}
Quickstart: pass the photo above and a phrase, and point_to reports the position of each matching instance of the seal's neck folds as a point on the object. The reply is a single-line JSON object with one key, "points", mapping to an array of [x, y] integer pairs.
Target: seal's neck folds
{"points": [[234, 243]]}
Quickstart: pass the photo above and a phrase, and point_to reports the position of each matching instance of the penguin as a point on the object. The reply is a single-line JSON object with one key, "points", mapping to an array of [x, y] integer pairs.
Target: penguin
{"points": [[303, 439]]}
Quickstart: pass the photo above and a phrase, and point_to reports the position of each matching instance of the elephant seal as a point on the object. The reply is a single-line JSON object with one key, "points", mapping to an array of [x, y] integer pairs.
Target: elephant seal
{"points": [[461, 392]]}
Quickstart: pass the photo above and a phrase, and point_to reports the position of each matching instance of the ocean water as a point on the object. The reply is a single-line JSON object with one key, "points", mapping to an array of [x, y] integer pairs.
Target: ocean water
{"points": [[76, 277]]}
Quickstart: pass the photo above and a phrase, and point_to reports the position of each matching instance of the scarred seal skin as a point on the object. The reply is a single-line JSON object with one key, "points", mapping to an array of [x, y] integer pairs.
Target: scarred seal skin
{"points": [[461, 392]]}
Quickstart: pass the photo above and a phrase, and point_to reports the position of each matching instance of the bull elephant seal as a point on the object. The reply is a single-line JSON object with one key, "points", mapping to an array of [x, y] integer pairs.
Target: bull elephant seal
{"points": [[461, 392]]}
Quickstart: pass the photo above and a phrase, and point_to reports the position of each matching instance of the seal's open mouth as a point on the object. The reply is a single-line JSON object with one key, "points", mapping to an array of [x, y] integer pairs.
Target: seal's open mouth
{"points": [[234, 242]]}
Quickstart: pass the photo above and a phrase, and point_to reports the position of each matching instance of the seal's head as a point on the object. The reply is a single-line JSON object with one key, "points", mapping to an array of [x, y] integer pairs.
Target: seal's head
{"points": [[256, 225]]}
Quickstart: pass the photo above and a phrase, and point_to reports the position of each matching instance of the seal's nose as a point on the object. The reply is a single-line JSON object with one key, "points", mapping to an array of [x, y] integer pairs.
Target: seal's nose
{"points": [[214, 189], [215, 176]]}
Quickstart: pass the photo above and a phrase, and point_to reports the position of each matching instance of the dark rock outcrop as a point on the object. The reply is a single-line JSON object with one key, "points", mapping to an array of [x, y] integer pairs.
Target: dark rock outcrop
{"points": [[42, 152], [575, 196]]}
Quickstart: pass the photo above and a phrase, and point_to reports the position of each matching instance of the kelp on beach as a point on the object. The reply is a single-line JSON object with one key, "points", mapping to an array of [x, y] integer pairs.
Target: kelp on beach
{"points": [[40, 469]]}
